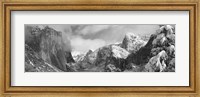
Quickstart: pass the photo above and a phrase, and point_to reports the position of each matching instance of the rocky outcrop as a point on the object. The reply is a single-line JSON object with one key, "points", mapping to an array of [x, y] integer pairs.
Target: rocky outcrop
{"points": [[157, 63], [112, 55], [164, 39], [132, 43], [106, 59], [170, 65], [86, 61], [112, 68], [119, 52], [51, 46]]}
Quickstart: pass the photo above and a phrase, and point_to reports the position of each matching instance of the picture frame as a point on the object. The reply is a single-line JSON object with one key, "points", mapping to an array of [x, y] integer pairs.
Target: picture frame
{"points": [[100, 5]]}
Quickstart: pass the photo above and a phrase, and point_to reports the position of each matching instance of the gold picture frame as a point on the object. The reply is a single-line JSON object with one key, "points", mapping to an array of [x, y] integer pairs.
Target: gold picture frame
{"points": [[49, 5]]}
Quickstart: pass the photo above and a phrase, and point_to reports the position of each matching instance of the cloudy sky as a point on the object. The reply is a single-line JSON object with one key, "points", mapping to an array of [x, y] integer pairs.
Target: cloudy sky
{"points": [[85, 37]]}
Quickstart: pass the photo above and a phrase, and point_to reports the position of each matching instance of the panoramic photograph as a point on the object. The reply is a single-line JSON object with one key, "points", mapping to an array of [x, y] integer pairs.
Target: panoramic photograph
{"points": [[99, 47]]}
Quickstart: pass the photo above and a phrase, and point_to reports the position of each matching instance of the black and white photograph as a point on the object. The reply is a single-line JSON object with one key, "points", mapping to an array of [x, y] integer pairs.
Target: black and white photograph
{"points": [[99, 47]]}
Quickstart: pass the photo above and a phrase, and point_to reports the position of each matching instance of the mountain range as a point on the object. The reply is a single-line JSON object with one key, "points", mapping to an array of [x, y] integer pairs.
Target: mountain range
{"points": [[46, 50]]}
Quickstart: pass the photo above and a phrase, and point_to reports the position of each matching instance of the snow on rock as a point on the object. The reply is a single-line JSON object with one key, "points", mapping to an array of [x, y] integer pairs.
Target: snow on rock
{"points": [[91, 56], [168, 29], [75, 53], [165, 36], [171, 50], [157, 63], [119, 52], [78, 56], [132, 42], [116, 56]]}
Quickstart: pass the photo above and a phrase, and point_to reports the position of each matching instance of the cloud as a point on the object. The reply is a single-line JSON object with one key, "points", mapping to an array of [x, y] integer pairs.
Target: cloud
{"points": [[83, 45], [91, 29], [113, 33]]}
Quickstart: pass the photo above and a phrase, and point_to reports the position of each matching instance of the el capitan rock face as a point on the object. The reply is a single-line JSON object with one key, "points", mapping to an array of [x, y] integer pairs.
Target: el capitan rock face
{"points": [[50, 46], [34, 63]]}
